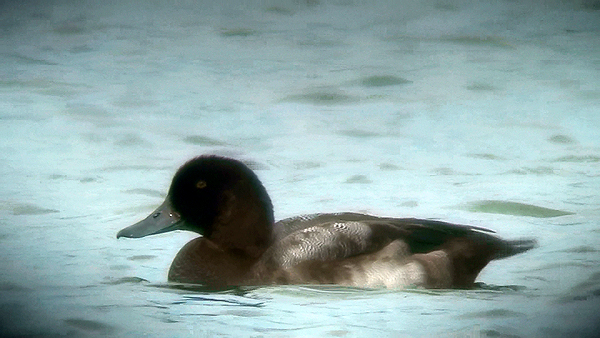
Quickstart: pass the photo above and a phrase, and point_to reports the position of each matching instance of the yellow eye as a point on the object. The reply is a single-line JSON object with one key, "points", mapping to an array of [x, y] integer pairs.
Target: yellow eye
{"points": [[201, 184]]}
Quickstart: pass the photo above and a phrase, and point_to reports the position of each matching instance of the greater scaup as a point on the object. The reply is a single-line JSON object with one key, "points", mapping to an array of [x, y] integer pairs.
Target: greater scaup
{"points": [[241, 244]]}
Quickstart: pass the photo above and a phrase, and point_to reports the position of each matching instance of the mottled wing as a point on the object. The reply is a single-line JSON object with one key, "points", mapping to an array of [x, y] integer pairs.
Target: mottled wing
{"points": [[321, 242], [340, 235]]}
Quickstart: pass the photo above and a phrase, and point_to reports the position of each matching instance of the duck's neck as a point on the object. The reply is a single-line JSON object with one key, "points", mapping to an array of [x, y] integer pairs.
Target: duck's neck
{"points": [[243, 227], [228, 255]]}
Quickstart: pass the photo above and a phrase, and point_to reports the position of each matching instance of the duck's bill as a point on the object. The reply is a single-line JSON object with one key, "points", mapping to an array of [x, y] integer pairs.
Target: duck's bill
{"points": [[163, 219]]}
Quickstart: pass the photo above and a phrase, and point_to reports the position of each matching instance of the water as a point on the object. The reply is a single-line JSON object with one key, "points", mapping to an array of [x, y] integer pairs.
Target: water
{"points": [[483, 113]]}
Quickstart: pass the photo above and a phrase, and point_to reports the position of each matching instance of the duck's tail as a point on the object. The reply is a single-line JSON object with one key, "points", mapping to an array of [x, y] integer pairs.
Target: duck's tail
{"points": [[512, 247]]}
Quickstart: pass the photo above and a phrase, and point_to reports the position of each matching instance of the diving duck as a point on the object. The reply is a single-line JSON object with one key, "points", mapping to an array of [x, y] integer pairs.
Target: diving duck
{"points": [[241, 244]]}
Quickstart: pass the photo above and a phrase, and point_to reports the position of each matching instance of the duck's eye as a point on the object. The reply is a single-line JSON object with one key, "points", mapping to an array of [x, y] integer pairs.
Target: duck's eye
{"points": [[201, 184]]}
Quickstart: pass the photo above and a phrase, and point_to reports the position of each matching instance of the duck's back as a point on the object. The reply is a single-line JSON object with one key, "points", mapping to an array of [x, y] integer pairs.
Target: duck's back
{"points": [[368, 251]]}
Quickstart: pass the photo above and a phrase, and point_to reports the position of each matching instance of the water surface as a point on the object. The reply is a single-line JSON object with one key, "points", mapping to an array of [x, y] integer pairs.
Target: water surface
{"points": [[482, 113]]}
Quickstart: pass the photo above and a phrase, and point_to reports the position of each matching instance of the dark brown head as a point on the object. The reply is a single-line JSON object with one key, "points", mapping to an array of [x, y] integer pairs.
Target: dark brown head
{"points": [[219, 198]]}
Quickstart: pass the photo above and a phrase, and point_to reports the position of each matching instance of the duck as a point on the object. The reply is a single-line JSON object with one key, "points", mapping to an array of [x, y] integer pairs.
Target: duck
{"points": [[241, 244]]}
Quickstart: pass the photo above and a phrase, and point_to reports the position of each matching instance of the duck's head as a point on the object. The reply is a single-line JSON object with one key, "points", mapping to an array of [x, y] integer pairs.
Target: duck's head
{"points": [[217, 197]]}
